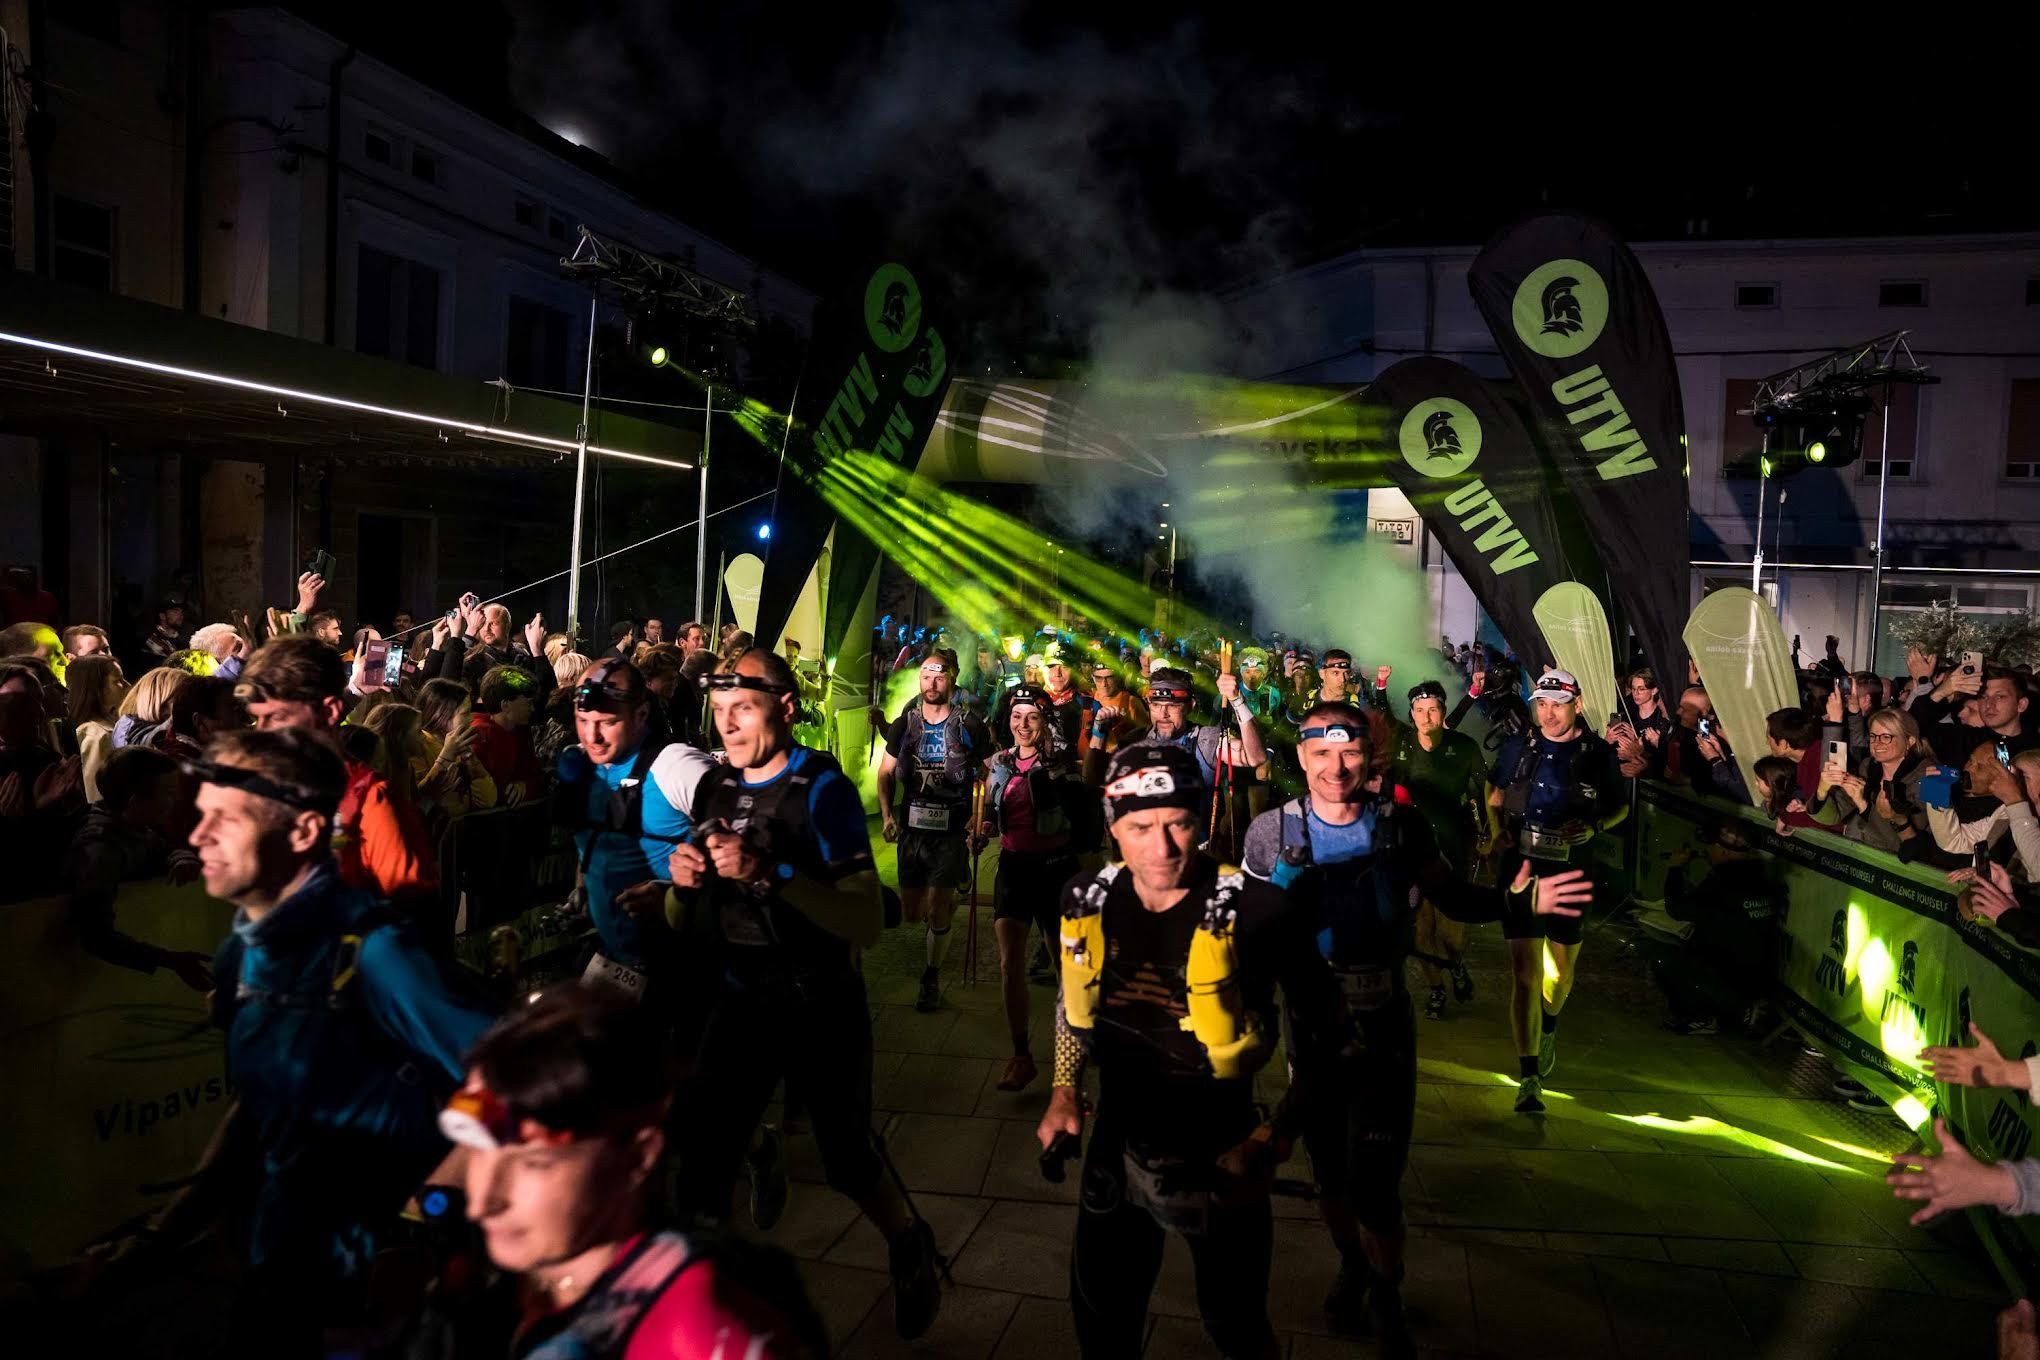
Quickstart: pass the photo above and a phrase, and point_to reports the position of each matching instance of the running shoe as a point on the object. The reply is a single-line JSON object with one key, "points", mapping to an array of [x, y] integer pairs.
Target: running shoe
{"points": [[1530, 1096], [1434, 1004], [930, 998], [1462, 983], [767, 1165], [1020, 1073], [1346, 1305], [916, 1277], [1547, 1052]]}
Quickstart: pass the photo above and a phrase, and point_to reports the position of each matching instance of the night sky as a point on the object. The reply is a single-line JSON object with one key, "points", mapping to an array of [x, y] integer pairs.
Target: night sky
{"points": [[1058, 167]]}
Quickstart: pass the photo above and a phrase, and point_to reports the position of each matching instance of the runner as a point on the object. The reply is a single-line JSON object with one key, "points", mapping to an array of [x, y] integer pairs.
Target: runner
{"points": [[560, 1130], [1352, 860], [1169, 700], [1169, 966], [1556, 788], [1035, 804], [1070, 711], [1441, 773], [939, 752], [783, 860], [1120, 713]]}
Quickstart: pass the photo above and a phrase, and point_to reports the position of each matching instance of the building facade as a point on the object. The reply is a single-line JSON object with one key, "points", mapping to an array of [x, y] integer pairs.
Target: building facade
{"points": [[1963, 491], [244, 167]]}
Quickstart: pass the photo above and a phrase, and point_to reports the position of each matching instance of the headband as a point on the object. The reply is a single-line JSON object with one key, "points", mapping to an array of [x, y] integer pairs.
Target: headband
{"points": [[734, 680], [250, 781], [1429, 689], [1334, 732]]}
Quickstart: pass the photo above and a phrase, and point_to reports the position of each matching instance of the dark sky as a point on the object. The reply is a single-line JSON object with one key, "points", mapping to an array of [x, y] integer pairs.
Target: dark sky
{"points": [[1056, 168]]}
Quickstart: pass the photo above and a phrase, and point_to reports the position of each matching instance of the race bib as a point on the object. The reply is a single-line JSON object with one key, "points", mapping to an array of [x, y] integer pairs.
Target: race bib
{"points": [[927, 817], [611, 973], [1366, 989]]}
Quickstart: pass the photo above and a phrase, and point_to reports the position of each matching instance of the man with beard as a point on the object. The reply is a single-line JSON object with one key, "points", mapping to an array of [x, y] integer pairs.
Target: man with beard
{"points": [[938, 751], [1169, 700]]}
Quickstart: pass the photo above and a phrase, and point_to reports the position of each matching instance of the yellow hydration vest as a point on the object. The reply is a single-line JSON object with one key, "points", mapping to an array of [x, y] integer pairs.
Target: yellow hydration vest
{"points": [[1233, 1040]]}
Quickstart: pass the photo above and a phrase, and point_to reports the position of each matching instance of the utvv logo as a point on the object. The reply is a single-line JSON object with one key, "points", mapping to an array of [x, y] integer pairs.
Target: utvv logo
{"points": [[1902, 998], [1439, 437], [1561, 308], [1828, 974]]}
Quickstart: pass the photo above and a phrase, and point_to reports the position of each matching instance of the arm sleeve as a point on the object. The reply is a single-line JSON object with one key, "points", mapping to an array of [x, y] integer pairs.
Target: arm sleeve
{"points": [[1072, 1050], [409, 999], [2026, 1178], [1460, 710]]}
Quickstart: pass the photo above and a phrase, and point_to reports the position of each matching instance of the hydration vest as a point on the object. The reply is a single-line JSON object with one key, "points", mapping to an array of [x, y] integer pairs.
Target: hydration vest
{"points": [[954, 781], [774, 818], [625, 815], [1360, 917], [1232, 1039]]}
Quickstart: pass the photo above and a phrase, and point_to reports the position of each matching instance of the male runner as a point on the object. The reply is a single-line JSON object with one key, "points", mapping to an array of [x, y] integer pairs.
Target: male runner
{"points": [[1169, 966], [783, 861], [1556, 787], [1169, 700], [1073, 712], [1442, 772], [939, 751], [1352, 860]]}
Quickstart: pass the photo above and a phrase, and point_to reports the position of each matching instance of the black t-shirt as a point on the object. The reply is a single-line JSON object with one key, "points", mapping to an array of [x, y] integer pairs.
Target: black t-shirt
{"points": [[1443, 783]]}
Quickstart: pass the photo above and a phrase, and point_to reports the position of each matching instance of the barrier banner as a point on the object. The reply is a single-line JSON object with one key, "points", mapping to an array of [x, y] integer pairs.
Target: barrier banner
{"points": [[1879, 963], [1578, 322], [116, 1079]]}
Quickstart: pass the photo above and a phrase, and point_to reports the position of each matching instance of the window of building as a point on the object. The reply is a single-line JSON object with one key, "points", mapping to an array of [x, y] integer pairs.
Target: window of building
{"points": [[1902, 293], [529, 214], [82, 243], [556, 228], [1905, 432], [425, 165], [537, 353], [396, 308], [1756, 296], [2022, 431], [379, 147], [1740, 438]]}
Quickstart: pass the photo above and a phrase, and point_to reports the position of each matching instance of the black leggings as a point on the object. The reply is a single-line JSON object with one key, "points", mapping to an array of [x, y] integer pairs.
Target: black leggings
{"points": [[1118, 1254], [818, 1038], [1358, 1132]]}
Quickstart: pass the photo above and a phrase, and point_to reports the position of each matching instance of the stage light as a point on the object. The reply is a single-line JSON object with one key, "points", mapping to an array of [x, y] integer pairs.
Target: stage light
{"points": [[658, 356], [1764, 462], [1816, 452], [765, 530]]}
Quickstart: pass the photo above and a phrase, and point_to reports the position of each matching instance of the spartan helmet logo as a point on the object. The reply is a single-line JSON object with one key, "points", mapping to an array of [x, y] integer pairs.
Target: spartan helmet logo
{"points": [[893, 314], [1440, 439], [1561, 308], [1838, 935], [1908, 965]]}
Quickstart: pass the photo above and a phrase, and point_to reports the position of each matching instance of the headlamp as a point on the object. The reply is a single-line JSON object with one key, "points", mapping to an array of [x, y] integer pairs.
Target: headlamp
{"points": [[1429, 689], [734, 680], [1152, 782], [261, 785], [1168, 694], [1336, 733]]}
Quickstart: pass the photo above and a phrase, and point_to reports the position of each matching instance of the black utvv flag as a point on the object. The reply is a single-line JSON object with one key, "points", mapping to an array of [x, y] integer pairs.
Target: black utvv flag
{"points": [[1466, 463], [1577, 321], [882, 369]]}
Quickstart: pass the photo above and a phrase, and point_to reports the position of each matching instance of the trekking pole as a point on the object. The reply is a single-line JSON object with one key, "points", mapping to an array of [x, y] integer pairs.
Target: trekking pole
{"points": [[1223, 764], [970, 942]]}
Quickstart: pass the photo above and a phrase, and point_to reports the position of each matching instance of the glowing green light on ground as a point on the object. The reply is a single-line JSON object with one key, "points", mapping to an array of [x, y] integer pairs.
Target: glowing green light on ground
{"points": [[1700, 1126], [1881, 1158]]}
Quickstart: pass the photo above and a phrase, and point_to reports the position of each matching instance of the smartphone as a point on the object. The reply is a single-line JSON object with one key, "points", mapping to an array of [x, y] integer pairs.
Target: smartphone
{"points": [[1972, 663], [323, 564], [1706, 728], [1838, 755], [374, 660], [2004, 754], [1979, 860], [1847, 684], [393, 667]]}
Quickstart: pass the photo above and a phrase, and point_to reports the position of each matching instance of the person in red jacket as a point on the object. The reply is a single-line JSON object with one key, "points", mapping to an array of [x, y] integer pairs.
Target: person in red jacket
{"points": [[502, 733], [379, 840]]}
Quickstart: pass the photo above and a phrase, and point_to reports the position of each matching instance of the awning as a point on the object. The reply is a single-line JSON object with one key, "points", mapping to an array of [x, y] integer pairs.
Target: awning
{"points": [[69, 356]]}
